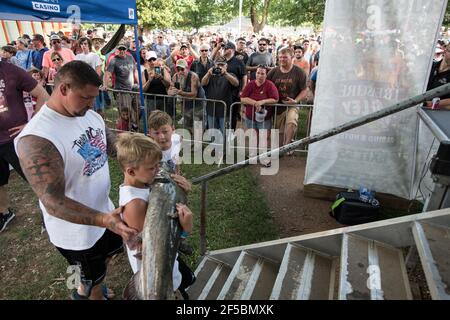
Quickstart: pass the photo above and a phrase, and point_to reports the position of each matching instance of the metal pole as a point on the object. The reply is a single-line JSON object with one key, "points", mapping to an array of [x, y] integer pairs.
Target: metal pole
{"points": [[203, 219], [427, 96], [240, 17], [141, 92]]}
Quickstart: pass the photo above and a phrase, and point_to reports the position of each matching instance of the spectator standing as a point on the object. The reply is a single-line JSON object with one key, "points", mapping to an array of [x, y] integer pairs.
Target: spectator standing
{"points": [[9, 55], [218, 84], [14, 81], [39, 50], [203, 63], [95, 62], [290, 81], [162, 49], [23, 54], [300, 61], [124, 69], [261, 57], [237, 68], [66, 54]]}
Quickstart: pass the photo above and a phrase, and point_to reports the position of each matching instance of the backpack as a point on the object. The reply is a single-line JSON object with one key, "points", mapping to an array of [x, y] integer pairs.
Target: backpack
{"points": [[350, 209]]}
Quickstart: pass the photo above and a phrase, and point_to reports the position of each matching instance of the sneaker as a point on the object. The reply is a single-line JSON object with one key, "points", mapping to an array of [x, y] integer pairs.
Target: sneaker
{"points": [[6, 218]]}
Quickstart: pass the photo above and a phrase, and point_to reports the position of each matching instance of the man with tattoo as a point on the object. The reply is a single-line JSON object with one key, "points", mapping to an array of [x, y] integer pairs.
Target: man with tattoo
{"points": [[13, 117], [64, 152]]}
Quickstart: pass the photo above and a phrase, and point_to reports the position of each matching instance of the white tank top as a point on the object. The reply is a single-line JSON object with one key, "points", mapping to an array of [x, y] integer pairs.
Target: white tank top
{"points": [[81, 142], [172, 155], [127, 194]]}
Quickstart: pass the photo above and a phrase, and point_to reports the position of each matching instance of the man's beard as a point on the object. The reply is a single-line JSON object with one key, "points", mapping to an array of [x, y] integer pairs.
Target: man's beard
{"points": [[81, 113]]}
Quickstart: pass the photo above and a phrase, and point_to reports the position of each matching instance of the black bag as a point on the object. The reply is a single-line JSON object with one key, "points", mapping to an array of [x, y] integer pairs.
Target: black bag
{"points": [[350, 210]]}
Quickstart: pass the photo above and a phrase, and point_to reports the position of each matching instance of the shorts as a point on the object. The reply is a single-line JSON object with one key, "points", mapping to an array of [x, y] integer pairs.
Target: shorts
{"points": [[92, 261], [8, 157], [287, 117]]}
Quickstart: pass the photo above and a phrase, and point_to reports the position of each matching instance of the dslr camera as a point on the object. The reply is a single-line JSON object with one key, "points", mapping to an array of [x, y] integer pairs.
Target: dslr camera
{"points": [[217, 71]]}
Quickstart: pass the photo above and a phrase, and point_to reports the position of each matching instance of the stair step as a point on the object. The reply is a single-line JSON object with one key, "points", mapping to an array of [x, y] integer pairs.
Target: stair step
{"points": [[304, 274], [372, 271], [433, 245], [252, 277], [211, 276]]}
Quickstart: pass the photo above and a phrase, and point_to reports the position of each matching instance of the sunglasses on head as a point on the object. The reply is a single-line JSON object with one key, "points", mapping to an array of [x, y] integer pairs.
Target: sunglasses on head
{"points": [[56, 59]]}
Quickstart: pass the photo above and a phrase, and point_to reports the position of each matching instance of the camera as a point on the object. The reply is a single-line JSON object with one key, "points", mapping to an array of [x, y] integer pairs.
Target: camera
{"points": [[217, 71], [177, 85], [158, 70]]}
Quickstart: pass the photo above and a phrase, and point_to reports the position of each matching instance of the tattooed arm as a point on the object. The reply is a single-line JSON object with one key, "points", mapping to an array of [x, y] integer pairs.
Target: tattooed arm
{"points": [[111, 143], [44, 169]]}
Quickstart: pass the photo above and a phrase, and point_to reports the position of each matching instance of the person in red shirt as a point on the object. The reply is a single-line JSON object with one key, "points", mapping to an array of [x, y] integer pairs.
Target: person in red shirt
{"points": [[185, 52], [256, 95], [13, 117]]}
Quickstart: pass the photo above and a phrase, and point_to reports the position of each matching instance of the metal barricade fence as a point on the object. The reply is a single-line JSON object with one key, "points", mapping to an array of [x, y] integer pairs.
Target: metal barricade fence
{"points": [[277, 118], [183, 111]]}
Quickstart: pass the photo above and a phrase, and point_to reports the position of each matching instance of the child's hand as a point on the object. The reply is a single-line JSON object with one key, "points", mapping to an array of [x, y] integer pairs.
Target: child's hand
{"points": [[185, 217], [182, 182]]}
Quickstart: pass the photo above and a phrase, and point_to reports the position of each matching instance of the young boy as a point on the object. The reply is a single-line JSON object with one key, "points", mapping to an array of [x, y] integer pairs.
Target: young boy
{"points": [[139, 159], [123, 123], [161, 129]]}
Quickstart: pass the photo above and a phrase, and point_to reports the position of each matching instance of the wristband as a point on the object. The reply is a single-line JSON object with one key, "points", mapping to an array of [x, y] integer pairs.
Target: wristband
{"points": [[184, 234]]}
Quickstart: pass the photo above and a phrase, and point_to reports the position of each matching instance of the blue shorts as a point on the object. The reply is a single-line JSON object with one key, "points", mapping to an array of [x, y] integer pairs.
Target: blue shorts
{"points": [[250, 124]]}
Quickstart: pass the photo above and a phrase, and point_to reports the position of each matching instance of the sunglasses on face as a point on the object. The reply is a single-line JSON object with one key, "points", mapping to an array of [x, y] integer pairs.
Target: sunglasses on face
{"points": [[152, 59], [262, 44], [180, 69], [56, 59], [122, 49], [203, 50], [56, 41]]}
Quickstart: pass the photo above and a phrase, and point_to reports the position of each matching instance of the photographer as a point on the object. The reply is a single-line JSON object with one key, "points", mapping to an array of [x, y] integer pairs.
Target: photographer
{"points": [[156, 82], [218, 84]]}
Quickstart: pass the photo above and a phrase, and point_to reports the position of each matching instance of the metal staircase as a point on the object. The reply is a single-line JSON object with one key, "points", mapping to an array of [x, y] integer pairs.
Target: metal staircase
{"points": [[364, 262]]}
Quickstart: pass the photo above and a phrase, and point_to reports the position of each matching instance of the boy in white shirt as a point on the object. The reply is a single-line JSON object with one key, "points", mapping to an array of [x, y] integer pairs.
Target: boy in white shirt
{"points": [[139, 157], [161, 130]]}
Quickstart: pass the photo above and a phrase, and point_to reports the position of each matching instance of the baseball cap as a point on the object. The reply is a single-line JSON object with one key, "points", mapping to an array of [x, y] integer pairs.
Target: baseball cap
{"points": [[150, 54], [122, 46], [22, 40], [55, 37], [230, 45], [182, 63], [221, 60]]}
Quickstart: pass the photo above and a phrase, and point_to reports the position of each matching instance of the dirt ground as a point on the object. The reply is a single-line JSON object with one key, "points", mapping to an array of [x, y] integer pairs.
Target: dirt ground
{"points": [[294, 213]]}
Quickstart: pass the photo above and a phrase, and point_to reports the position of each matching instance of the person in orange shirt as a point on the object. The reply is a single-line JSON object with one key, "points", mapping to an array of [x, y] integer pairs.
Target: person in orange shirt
{"points": [[66, 54], [299, 60]]}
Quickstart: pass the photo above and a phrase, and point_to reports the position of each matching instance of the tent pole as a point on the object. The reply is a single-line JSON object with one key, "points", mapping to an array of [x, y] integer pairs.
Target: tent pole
{"points": [[141, 92]]}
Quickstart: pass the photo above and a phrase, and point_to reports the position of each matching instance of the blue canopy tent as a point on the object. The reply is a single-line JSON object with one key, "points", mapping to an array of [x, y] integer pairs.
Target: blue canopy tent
{"points": [[93, 11]]}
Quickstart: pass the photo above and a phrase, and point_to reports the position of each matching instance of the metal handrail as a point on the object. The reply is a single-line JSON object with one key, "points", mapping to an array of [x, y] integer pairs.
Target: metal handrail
{"points": [[400, 106]]}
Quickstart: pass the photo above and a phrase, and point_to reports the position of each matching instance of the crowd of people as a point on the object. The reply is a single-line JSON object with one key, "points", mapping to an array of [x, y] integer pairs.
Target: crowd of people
{"points": [[174, 64], [69, 171]]}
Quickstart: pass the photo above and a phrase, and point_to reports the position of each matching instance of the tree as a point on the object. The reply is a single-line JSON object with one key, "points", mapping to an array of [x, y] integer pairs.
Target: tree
{"points": [[159, 13], [259, 12], [200, 13], [298, 12]]}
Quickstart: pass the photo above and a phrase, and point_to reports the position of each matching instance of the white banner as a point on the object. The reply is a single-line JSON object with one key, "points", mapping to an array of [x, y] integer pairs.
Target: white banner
{"points": [[374, 53]]}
